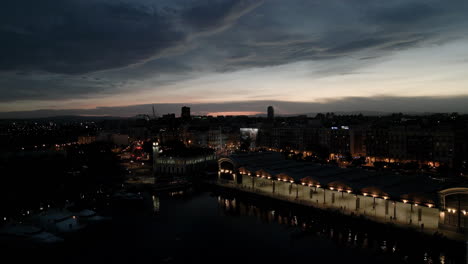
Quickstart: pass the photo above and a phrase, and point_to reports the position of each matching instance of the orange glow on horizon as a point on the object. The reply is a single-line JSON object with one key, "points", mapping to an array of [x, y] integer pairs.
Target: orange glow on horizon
{"points": [[248, 113]]}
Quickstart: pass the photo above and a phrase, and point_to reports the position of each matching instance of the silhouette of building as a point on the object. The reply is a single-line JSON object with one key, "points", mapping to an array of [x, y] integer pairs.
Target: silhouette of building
{"points": [[185, 112], [271, 113]]}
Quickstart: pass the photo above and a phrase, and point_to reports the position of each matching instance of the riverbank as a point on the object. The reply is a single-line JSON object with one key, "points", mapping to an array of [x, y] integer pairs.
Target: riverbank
{"points": [[354, 231], [209, 224], [294, 200]]}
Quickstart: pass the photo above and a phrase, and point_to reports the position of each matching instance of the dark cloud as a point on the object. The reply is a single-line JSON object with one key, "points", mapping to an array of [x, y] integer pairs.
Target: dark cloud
{"points": [[366, 105], [407, 12], [15, 87], [72, 36], [211, 15], [318, 30], [68, 37], [137, 39]]}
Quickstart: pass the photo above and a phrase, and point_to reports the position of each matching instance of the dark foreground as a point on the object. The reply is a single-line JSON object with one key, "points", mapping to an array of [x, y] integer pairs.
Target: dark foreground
{"points": [[218, 226]]}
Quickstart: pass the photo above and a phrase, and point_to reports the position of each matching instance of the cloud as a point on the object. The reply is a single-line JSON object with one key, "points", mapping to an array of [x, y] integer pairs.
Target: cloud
{"points": [[212, 15], [366, 105], [93, 48], [75, 37], [277, 34]]}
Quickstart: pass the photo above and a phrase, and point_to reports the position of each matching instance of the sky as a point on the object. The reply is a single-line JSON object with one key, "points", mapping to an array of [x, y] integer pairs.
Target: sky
{"points": [[109, 57]]}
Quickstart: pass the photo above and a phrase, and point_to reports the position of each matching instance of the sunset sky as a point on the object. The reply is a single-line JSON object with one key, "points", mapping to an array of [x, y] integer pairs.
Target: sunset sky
{"points": [[107, 57]]}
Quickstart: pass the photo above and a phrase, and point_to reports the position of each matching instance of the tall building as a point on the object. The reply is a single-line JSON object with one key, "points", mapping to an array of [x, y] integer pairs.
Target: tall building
{"points": [[185, 112], [271, 113]]}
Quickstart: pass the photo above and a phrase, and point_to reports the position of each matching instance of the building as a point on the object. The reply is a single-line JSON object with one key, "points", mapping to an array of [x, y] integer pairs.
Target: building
{"points": [[216, 138], [116, 139], [339, 141], [168, 116], [185, 114], [405, 200], [357, 137], [184, 162], [196, 138], [139, 132], [426, 146], [120, 140], [288, 138], [271, 113], [86, 139]]}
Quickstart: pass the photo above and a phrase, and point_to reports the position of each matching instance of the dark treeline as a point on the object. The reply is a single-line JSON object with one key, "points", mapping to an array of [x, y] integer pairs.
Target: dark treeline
{"points": [[37, 179]]}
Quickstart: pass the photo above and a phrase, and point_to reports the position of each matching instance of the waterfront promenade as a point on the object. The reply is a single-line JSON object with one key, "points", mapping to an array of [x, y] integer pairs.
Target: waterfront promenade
{"points": [[401, 214]]}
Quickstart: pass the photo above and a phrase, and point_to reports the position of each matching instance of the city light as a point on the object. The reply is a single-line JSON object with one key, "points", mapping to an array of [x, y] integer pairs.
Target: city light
{"points": [[377, 156]]}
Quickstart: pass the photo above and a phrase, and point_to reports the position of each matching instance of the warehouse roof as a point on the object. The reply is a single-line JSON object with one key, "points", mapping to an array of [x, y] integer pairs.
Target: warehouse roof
{"points": [[418, 188]]}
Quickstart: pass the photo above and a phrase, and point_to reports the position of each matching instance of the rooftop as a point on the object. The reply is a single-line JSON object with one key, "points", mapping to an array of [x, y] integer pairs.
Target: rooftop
{"points": [[418, 188]]}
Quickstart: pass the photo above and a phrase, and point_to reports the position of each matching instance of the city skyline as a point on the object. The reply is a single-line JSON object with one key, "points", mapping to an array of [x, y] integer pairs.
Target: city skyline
{"points": [[189, 131], [233, 57], [346, 106]]}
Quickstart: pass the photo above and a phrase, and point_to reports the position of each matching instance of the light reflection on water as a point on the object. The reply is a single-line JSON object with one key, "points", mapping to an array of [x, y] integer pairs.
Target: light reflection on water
{"points": [[348, 236], [356, 234], [156, 203]]}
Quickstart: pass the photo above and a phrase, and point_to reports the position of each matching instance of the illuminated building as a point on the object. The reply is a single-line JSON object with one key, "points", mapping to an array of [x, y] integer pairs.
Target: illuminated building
{"points": [[407, 200], [86, 139], [116, 139], [180, 162], [216, 138], [412, 144]]}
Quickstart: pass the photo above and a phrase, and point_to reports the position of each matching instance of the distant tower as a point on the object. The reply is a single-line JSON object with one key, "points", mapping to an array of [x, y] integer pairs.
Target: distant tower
{"points": [[185, 112], [271, 113], [154, 113]]}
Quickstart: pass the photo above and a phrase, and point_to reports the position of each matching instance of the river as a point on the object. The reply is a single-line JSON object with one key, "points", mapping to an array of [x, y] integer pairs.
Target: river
{"points": [[220, 226]]}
